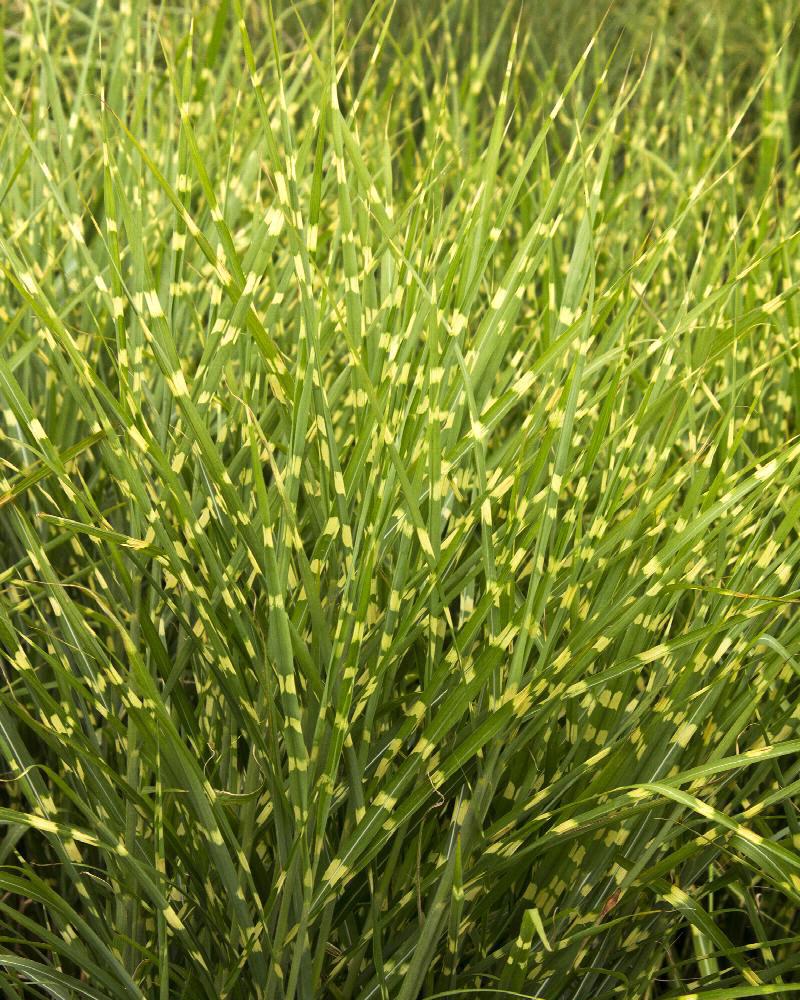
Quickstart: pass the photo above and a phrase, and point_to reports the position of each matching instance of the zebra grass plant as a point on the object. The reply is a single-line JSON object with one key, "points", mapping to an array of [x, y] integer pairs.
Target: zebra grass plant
{"points": [[398, 502]]}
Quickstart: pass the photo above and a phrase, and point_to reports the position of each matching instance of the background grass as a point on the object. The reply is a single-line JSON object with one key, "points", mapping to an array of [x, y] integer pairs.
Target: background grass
{"points": [[399, 500]]}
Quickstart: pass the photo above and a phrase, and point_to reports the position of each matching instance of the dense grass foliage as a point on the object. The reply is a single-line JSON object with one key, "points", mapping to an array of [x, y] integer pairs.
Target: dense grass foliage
{"points": [[399, 509]]}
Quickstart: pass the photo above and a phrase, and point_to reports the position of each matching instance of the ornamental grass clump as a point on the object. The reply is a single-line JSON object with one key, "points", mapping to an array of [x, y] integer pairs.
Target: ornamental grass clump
{"points": [[399, 503]]}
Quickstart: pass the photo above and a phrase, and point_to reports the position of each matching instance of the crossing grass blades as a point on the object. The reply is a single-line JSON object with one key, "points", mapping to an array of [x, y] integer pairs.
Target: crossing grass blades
{"points": [[399, 503]]}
